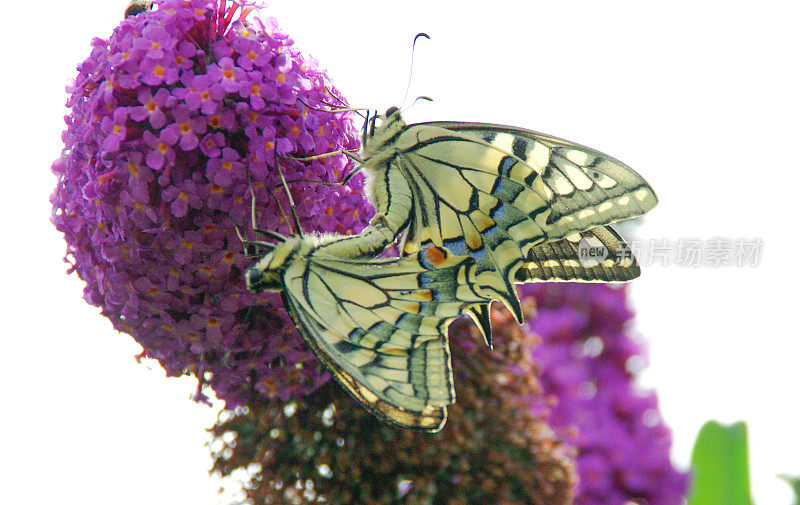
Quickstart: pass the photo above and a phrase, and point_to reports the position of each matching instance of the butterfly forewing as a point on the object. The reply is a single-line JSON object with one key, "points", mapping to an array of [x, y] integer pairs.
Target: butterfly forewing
{"points": [[582, 186]]}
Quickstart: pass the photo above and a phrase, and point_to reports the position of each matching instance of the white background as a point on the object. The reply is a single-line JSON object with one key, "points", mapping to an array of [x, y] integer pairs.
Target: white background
{"points": [[701, 98]]}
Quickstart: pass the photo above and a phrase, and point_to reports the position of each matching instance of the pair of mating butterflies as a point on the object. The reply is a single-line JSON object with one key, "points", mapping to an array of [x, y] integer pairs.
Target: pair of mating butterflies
{"points": [[480, 207]]}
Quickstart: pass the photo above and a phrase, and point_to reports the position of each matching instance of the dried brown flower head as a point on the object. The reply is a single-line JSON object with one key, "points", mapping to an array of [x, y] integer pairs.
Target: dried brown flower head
{"points": [[324, 448]]}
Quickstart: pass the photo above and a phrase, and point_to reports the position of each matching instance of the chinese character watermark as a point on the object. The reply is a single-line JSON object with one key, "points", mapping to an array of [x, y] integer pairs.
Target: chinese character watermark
{"points": [[686, 252]]}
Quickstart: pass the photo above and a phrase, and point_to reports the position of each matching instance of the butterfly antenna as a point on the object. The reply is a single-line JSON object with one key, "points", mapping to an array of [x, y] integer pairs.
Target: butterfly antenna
{"points": [[291, 201], [411, 70], [426, 98]]}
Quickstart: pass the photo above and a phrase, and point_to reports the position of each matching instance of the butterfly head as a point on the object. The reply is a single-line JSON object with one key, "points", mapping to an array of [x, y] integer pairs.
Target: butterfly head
{"points": [[381, 130], [267, 273]]}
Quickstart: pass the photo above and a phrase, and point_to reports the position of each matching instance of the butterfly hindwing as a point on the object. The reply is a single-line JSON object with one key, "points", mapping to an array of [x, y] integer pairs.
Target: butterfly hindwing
{"points": [[380, 327], [596, 255], [481, 316]]}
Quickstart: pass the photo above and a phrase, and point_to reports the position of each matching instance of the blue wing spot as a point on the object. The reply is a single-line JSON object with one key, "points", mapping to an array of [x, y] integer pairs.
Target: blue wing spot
{"points": [[356, 335], [400, 320], [344, 347], [490, 230], [498, 213], [505, 166], [499, 186], [456, 246]]}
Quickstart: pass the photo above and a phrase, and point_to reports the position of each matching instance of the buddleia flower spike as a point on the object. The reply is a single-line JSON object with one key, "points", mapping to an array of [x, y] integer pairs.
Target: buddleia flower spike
{"points": [[171, 121]]}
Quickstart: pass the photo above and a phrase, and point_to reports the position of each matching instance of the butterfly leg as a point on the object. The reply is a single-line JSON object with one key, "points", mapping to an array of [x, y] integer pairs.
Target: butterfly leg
{"points": [[254, 224], [259, 248], [291, 202], [346, 152], [247, 243], [335, 108]]}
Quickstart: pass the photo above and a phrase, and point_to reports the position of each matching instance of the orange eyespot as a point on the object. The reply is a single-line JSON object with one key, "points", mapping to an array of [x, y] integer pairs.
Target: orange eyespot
{"points": [[435, 256]]}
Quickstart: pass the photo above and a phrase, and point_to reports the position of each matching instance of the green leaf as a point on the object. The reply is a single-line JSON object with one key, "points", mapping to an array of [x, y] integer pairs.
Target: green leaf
{"points": [[720, 466], [795, 483]]}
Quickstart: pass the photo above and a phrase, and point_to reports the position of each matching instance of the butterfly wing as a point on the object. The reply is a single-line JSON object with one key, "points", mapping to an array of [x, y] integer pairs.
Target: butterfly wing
{"points": [[495, 192], [581, 185], [596, 255], [380, 327]]}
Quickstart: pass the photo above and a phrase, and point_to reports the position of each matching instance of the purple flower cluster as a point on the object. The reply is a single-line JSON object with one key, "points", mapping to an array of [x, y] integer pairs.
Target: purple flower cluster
{"points": [[588, 362], [174, 120]]}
